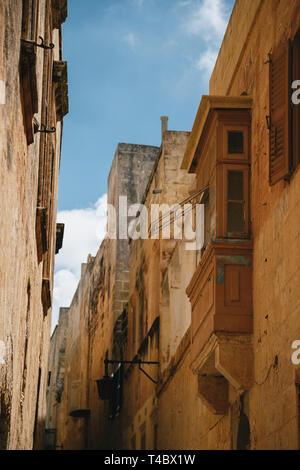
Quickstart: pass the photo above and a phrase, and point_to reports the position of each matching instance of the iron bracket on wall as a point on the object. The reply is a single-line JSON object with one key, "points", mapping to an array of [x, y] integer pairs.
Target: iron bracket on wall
{"points": [[135, 361], [42, 44], [45, 130]]}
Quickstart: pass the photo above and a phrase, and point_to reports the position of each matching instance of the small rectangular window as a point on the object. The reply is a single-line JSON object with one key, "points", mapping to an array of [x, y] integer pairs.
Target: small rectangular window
{"points": [[235, 142], [233, 201], [236, 219], [235, 185]]}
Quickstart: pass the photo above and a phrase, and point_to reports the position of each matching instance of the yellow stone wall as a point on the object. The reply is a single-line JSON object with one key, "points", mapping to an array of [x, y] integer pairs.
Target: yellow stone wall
{"points": [[24, 330]]}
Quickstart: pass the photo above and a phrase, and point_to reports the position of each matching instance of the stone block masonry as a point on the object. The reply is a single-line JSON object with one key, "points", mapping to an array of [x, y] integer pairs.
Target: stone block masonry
{"points": [[29, 169]]}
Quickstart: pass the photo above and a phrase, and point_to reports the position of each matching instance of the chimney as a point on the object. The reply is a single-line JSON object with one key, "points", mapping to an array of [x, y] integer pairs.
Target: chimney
{"points": [[164, 125]]}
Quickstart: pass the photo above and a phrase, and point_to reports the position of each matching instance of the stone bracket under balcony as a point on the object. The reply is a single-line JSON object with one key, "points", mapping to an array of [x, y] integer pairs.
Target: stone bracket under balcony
{"points": [[225, 360]]}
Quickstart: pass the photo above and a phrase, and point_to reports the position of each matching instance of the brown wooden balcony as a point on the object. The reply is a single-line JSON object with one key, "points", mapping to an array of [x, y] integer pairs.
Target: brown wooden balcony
{"points": [[222, 321]]}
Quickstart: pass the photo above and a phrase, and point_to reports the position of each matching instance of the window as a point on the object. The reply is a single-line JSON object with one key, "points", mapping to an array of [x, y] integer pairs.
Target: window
{"points": [[235, 139], [235, 202], [235, 142], [284, 145], [233, 220]]}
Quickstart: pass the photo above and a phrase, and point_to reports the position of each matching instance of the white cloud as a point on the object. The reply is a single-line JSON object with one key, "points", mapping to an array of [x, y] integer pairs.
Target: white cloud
{"points": [[205, 63], [131, 39], [65, 285], [184, 3], [207, 19], [84, 231]]}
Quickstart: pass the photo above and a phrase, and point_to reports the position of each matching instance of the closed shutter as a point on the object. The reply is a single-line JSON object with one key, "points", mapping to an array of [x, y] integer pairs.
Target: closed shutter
{"points": [[280, 112]]}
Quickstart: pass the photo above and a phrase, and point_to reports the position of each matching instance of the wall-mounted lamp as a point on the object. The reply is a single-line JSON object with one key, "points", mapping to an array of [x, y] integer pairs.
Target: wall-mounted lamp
{"points": [[107, 385]]}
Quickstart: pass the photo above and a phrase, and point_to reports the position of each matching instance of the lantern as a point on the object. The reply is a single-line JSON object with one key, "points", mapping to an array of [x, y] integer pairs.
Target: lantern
{"points": [[106, 387]]}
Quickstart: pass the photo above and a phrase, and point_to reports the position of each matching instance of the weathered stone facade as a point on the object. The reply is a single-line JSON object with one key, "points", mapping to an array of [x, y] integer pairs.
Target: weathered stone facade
{"points": [[221, 320], [95, 314], [30, 98], [56, 376]]}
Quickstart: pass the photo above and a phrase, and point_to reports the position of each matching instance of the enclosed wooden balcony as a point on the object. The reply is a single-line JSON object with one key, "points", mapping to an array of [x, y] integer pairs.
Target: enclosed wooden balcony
{"points": [[222, 321], [219, 152]]}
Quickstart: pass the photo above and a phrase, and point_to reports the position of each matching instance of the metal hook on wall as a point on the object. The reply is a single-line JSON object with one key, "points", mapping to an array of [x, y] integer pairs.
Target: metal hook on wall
{"points": [[45, 130], [42, 44]]}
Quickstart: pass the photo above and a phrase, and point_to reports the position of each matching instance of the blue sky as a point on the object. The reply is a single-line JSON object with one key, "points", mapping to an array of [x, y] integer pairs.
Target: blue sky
{"points": [[129, 62]]}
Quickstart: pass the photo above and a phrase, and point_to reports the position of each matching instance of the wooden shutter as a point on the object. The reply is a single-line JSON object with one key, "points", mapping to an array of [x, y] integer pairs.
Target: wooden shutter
{"points": [[28, 84], [296, 107], [280, 112], [30, 19]]}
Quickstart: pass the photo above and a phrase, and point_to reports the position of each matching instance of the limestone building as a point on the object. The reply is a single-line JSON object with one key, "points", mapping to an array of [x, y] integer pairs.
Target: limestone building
{"points": [[205, 344], [33, 103], [95, 316]]}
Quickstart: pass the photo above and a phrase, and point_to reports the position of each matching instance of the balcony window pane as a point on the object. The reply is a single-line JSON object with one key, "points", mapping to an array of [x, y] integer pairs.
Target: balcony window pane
{"points": [[235, 186], [235, 142], [235, 217]]}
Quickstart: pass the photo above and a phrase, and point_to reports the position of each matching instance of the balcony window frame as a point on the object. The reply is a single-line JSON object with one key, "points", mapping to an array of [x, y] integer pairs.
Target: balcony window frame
{"points": [[222, 197], [244, 156]]}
